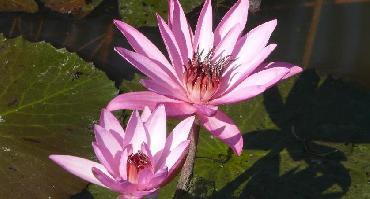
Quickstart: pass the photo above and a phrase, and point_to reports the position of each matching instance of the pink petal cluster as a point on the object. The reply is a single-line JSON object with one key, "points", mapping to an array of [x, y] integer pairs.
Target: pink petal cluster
{"points": [[206, 68], [134, 162]]}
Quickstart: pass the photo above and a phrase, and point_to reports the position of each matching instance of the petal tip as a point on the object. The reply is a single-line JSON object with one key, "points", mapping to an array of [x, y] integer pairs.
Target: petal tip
{"points": [[116, 21], [243, 3], [239, 147], [120, 25], [190, 119], [158, 16], [161, 107], [271, 47], [296, 69], [97, 127], [274, 22], [54, 157]]}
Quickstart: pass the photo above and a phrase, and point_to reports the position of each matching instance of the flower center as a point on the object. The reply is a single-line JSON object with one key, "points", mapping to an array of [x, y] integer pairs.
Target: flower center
{"points": [[135, 163], [202, 75]]}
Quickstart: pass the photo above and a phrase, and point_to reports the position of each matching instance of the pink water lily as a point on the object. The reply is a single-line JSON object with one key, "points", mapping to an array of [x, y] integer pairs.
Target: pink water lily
{"points": [[134, 162], [207, 68]]}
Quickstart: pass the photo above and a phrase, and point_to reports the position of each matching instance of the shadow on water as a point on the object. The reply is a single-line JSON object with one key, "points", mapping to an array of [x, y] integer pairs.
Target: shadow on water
{"points": [[320, 123], [84, 194], [323, 121]]}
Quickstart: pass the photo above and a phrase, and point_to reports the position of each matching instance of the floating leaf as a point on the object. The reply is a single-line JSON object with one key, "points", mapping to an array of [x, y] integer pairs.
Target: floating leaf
{"points": [[49, 99], [18, 6], [142, 12], [289, 149], [311, 133]]}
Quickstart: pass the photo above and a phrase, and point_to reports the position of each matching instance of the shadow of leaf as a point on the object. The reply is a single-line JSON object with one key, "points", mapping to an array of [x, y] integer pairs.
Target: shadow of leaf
{"points": [[320, 123]]}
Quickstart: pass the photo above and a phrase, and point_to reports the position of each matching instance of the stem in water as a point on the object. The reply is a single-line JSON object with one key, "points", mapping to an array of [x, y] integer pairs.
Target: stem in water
{"points": [[183, 185]]}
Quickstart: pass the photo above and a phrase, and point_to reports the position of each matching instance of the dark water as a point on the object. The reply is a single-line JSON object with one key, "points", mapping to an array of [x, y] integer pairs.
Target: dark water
{"points": [[325, 37], [332, 36]]}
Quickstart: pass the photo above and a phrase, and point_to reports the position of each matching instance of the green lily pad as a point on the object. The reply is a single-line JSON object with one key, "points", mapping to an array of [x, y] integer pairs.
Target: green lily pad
{"points": [[142, 12], [19, 6], [307, 137], [49, 99]]}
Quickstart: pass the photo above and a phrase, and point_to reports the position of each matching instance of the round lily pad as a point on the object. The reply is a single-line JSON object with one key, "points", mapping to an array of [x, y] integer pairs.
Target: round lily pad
{"points": [[49, 99]]}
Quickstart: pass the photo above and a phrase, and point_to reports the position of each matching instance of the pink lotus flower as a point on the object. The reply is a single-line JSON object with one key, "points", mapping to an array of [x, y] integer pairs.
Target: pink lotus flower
{"points": [[135, 162], [208, 68]]}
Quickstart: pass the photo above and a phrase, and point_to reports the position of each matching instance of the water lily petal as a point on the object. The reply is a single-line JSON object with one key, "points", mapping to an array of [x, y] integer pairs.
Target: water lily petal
{"points": [[238, 95], [237, 14], [203, 40], [158, 88], [179, 110], [105, 138], [145, 114], [123, 161], [109, 122], [249, 46], [227, 44], [293, 69], [265, 78], [136, 134], [222, 127], [159, 177], [156, 126], [180, 29], [106, 180], [144, 177], [206, 109], [176, 156], [146, 150], [138, 100], [170, 13], [149, 68], [105, 158], [80, 167], [253, 85], [141, 44], [233, 77], [179, 134], [172, 47]]}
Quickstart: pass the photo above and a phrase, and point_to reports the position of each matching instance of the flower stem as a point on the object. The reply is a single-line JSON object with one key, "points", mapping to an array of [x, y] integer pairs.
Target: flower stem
{"points": [[183, 185]]}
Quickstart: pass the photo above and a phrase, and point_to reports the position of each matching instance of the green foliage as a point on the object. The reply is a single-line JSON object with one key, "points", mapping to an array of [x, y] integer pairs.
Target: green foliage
{"points": [[308, 137], [142, 12], [49, 99]]}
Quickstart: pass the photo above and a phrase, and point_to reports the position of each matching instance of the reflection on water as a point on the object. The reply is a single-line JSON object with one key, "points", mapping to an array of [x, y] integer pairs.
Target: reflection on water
{"points": [[332, 36]]}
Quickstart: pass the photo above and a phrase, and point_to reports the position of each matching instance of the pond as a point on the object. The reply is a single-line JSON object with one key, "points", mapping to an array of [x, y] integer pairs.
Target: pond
{"points": [[308, 137]]}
